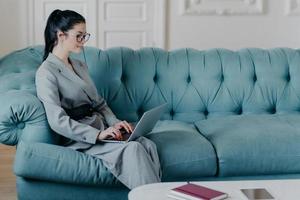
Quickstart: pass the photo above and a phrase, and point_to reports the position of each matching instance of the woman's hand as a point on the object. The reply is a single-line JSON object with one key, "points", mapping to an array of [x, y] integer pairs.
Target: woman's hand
{"points": [[124, 124], [110, 133]]}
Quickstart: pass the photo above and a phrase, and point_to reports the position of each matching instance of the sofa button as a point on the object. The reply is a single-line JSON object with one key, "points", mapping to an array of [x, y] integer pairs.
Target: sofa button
{"points": [[140, 112], [288, 78], [84, 138], [239, 111], [188, 80], [21, 125], [222, 78], [272, 110], [205, 112], [254, 78], [123, 78], [155, 78], [172, 112]]}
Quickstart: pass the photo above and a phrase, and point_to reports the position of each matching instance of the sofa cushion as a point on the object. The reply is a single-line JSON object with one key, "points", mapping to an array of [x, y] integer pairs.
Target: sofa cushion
{"points": [[255, 144], [184, 153], [54, 163]]}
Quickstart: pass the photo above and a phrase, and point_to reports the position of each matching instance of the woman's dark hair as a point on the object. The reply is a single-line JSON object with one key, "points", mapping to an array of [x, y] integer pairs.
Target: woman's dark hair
{"points": [[59, 20]]}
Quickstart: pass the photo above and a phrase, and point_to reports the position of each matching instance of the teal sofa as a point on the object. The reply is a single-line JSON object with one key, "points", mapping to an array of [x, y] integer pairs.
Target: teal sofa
{"points": [[231, 115]]}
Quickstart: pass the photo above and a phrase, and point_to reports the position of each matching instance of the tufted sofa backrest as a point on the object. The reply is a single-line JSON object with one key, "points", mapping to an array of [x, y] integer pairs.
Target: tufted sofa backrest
{"points": [[196, 84]]}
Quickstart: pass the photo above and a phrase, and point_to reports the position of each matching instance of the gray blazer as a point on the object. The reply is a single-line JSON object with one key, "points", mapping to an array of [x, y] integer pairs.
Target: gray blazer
{"points": [[60, 88]]}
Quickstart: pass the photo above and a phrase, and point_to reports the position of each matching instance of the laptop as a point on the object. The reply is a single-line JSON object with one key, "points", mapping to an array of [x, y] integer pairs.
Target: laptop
{"points": [[144, 125]]}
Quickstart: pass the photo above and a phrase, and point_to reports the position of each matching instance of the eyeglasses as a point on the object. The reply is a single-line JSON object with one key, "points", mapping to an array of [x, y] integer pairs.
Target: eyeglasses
{"points": [[81, 37]]}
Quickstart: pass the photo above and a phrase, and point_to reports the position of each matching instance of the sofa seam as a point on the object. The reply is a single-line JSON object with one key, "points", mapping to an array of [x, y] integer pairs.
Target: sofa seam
{"points": [[264, 158], [191, 161], [43, 156]]}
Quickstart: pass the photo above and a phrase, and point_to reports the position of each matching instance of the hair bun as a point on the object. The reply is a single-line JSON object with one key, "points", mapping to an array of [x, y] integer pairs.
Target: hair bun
{"points": [[55, 13]]}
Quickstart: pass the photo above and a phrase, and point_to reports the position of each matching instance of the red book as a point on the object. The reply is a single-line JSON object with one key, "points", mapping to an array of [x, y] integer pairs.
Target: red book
{"points": [[196, 192]]}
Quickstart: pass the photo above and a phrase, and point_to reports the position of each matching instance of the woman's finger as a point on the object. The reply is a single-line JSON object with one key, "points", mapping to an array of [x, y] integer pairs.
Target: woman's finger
{"points": [[118, 126], [126, 127], [123, 125], [116, 131], [129, 127], [120, 137], [117, 136], [110, 135]]}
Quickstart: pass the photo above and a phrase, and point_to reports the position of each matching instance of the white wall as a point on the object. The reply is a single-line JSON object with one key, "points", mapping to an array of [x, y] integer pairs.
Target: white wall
{"points": [[273, 28], [10, 32], [130, 23]]}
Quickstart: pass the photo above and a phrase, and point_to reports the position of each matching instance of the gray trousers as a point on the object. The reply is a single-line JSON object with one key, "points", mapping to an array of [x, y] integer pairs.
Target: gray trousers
{"points": [[133, 163]]}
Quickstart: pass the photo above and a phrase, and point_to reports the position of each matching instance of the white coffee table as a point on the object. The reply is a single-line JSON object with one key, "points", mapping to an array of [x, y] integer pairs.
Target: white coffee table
{"points": [[280, 189]]}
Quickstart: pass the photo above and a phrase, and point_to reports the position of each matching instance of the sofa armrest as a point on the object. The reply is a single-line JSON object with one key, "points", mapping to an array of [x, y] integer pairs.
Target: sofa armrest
{"points": [[22, 117], [23, 123]]}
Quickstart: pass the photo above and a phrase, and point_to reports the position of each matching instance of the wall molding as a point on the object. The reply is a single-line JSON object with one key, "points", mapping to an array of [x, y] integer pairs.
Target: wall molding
{"points": [[292, 7], [27, 22], [140, 5], [140, 38], [33, 25], [221, 7], [160, 24], [147, 16]]}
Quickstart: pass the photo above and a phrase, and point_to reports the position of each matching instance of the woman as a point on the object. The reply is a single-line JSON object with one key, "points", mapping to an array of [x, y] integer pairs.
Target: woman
{"points": [[76, 111]]}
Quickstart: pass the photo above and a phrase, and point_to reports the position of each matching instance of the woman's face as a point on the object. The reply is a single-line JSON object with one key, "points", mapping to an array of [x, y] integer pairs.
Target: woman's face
{"points": [[75, 38]]}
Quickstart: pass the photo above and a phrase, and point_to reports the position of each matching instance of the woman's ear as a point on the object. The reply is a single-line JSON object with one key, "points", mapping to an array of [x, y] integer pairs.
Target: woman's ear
{"points": [[60, 35]]}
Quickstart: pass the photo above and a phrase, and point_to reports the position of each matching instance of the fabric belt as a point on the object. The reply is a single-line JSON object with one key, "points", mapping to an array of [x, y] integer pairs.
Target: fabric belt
{"points": [[80, 112]]}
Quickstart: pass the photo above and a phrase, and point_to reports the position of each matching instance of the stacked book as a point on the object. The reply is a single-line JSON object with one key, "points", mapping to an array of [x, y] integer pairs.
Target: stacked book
{"points": [[191, 191]]}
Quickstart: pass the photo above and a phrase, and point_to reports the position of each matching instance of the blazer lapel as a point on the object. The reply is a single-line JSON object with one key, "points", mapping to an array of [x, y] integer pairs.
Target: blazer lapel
{"points": [[63, 69], [88, 88], [81, 79]]}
